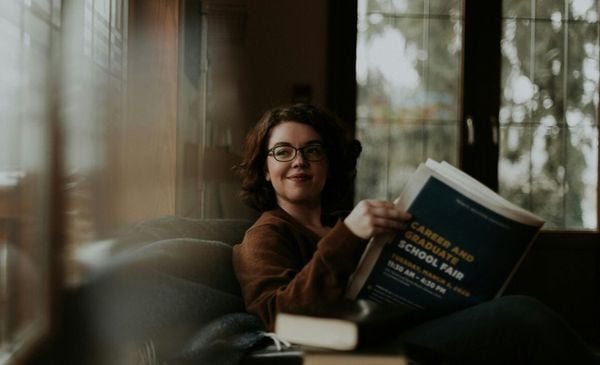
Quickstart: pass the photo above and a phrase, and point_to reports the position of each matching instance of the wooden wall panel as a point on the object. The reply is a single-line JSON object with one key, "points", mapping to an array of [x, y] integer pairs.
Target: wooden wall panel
{"points": [[147, 179]]}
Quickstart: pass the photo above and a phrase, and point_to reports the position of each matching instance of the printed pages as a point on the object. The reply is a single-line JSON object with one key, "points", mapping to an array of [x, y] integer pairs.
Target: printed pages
{"points": [[461, 247]]}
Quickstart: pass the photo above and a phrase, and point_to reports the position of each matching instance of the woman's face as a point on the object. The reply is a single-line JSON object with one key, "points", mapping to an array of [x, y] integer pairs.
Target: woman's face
{"points": [[299, 181]]}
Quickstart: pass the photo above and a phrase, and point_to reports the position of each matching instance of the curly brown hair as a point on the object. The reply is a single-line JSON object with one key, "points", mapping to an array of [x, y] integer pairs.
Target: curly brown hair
{"points": [[342, 153]]}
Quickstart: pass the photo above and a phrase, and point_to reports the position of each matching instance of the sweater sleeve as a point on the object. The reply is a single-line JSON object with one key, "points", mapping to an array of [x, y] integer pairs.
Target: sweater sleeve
{"points": [[278, 271]]}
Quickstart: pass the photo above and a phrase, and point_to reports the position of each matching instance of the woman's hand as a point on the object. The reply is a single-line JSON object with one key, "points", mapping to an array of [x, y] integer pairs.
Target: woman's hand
{"points": [[372, 217]]}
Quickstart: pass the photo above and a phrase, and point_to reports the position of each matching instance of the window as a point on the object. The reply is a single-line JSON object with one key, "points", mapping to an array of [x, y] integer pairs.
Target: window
{"points": [[92, 90], [430, 85], [62, 68], [29, 34], [409, 86], [549, 107]]}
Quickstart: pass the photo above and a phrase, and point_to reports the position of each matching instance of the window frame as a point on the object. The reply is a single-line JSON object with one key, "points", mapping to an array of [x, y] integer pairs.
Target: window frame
{"points": [[481, 104]]}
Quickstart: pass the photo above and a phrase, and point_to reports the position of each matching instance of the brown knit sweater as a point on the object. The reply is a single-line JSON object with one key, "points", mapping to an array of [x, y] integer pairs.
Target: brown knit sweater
{"points": [[283, 266]]}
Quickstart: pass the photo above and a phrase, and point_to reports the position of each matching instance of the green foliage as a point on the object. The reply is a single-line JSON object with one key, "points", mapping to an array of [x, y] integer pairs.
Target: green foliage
{"points": [[409, 74]]}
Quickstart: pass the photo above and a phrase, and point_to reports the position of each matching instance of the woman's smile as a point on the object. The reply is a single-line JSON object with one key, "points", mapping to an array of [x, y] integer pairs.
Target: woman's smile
{"points": [[301, 177]]}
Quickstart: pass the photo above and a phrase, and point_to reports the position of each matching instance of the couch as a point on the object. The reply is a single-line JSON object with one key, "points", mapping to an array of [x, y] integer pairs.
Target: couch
{"points": [[167, 295]]}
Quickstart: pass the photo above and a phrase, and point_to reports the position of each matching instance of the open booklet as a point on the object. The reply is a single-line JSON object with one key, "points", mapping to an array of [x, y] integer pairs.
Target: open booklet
{"points": [[461, 247]]}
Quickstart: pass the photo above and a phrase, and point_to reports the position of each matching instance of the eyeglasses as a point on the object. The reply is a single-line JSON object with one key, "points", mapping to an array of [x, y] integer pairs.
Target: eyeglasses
{"points": [[312, 152]]}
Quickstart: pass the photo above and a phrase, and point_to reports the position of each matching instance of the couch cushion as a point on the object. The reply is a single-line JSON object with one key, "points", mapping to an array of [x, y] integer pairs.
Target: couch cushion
{"points": [[228, 231], [200, 261]]}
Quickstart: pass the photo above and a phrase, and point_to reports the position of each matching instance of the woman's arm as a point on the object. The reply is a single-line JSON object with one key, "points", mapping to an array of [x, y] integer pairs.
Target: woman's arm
{"points": [[277, 270]]}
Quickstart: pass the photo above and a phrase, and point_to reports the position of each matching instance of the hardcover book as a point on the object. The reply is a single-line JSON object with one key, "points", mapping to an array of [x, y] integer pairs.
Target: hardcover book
{"points": [[461, 247], [346, 326], [353, 332]]}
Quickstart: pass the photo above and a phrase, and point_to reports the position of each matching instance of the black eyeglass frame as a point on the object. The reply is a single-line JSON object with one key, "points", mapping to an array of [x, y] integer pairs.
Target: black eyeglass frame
{"points": [[271, 152]]}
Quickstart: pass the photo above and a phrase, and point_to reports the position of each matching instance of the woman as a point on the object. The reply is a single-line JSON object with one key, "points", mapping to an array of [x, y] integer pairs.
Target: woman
{"points": [[298, 256]]}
